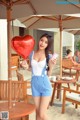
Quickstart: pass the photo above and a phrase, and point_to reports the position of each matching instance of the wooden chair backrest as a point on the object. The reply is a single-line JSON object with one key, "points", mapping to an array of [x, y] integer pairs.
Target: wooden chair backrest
{"points": [[18, 91], [28, 83], [67, 63], [14, 60], [27, 86], [20, 77]]}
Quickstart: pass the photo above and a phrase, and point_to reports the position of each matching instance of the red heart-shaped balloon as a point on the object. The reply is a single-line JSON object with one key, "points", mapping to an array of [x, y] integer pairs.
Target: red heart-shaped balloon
{"points": [[23, 45]]}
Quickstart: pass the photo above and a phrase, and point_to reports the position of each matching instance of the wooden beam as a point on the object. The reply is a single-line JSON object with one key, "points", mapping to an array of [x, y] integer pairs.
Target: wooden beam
{"points": [[28, 19], [33, 23], [32, 7]]}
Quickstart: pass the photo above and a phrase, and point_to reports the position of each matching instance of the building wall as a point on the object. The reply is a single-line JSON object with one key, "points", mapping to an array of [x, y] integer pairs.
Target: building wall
{"points": [[15, 32], [4, 48], [3, 51], [67, 43], [57, 45]]}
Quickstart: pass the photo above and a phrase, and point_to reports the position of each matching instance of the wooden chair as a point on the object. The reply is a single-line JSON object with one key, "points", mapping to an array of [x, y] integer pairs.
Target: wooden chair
{"points": [[14, 62], [18, 90], [20, 76], [18, 94], [77, 85], [73, 96], [28, 86], [66, 67]]}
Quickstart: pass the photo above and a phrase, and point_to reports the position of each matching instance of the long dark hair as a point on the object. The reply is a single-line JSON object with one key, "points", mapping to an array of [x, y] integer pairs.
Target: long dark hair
{"points": [[48, 47], [49, 37]]}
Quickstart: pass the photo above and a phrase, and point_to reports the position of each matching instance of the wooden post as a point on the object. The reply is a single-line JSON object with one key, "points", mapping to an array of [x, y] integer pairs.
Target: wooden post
{"points": [[9, 54], [61, 49]]}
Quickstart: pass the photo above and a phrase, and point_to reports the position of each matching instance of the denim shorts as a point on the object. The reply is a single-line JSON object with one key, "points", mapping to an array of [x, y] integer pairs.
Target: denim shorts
{"points": [[41, 86]]}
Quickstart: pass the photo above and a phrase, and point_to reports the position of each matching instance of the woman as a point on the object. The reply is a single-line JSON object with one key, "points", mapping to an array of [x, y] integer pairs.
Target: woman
{"points": [[69, 56], [41, 87]]}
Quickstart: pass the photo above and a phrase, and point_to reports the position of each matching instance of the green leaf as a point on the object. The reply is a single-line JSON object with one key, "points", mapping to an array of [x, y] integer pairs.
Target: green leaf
{"points": [[78, 45]]}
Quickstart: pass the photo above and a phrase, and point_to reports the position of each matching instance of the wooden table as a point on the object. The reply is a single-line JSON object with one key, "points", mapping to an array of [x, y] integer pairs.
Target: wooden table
{"points": [[57, 86], [20, 110]]}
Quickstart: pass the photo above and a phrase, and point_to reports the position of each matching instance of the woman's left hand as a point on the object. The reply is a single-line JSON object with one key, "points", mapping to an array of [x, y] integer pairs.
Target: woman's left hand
{"points": [[52, 62]]}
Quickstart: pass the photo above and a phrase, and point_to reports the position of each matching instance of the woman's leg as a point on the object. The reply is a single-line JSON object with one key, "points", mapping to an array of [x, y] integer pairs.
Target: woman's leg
{"points": [[37, 104], [44, 102]]}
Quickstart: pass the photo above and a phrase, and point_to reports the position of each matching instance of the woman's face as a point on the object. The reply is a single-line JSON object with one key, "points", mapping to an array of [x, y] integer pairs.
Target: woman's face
{"points": [[43, 43]]}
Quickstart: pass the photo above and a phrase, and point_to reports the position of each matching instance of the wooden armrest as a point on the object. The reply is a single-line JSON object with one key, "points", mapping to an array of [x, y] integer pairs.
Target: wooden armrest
{"points": [[66, 67], [70, 90]]}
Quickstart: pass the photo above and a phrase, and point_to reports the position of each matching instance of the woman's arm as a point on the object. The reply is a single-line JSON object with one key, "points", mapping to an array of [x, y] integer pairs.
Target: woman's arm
{"points": [[29, 63], [49, 72], [74, 61], [51, 64]]}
